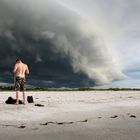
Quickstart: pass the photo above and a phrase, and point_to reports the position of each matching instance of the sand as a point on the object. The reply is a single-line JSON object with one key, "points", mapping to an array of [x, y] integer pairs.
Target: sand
{"points": [[86, 115]]}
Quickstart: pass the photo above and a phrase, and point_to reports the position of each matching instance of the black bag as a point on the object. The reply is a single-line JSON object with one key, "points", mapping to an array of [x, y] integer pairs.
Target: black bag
{"points": [[10, 100], [30, 99]]}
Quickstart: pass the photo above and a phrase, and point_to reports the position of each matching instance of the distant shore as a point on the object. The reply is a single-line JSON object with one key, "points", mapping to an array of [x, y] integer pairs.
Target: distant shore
{"points": [[11, 88]]}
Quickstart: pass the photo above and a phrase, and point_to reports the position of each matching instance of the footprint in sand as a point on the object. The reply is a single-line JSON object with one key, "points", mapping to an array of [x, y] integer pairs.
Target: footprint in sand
{"points": [[62, 123], [39, 105], [22, 126], [115, 116], [131, 115]]}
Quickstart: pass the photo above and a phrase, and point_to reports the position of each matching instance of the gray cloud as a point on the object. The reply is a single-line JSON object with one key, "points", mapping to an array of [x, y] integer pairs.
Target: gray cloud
{"points": [[59, 45]]}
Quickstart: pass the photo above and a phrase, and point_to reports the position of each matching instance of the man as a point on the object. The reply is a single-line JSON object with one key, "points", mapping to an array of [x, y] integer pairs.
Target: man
{"points": [[20, 70]]}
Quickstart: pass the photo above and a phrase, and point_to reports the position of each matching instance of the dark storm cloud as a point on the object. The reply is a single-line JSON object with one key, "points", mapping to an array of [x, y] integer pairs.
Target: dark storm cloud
{"points": [[58, 45]]}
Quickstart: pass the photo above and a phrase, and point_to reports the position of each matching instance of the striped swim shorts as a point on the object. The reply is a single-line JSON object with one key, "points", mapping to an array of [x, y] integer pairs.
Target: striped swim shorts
{"points": [[19, 84]]}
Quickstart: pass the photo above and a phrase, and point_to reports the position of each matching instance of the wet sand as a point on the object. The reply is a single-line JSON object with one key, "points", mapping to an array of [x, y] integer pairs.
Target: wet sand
{"points": [[86, 115]]}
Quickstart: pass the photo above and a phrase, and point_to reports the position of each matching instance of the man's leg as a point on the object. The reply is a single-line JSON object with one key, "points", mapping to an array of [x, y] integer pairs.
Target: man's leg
{"points": [[17, 98], [23, 90], [24, 97]]}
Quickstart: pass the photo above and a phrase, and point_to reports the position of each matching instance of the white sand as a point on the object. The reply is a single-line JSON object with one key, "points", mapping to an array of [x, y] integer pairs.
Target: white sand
{"points": [[91, 116]]}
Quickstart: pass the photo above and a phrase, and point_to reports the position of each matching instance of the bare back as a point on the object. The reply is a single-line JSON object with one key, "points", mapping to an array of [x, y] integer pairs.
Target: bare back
{"points": [[20, 69]]}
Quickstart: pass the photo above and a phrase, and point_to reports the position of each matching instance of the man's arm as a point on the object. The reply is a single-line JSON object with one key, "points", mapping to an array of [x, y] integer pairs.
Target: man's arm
{"points": [[15, 69], [27, 70]]}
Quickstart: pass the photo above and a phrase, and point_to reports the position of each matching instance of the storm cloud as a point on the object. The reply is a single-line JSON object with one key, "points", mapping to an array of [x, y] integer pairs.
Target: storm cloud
{"points": [[60, 46]]}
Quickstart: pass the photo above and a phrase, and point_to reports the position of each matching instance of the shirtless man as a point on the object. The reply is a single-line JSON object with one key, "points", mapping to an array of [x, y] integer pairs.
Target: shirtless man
{"points": [[20, 69]]}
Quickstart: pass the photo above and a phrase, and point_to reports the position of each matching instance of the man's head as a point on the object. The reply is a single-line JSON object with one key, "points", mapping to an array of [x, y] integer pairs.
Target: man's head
{"points": [[18, 60]]}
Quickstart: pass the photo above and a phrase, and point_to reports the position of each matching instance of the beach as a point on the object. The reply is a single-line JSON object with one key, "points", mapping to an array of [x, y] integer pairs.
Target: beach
{"points": [[72, 115]]}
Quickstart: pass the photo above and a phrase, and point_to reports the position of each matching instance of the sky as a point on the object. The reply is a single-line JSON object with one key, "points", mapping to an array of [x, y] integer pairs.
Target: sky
{"points": [[92, 43]]}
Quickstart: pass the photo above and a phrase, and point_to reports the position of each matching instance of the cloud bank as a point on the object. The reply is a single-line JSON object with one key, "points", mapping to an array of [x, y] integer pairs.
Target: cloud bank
{"points": [[60, 46]]}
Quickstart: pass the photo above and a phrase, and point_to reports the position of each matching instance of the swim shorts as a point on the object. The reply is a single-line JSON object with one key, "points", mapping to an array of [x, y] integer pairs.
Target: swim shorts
{"points": [[19, 84]]}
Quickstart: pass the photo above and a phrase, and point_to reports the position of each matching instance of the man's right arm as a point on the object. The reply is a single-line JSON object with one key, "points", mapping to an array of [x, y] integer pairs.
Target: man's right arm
{"points": [[27, 70]]}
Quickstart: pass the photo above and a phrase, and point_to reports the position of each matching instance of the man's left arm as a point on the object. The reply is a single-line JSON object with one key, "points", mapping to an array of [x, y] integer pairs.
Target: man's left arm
{"points": [[15, 69]]}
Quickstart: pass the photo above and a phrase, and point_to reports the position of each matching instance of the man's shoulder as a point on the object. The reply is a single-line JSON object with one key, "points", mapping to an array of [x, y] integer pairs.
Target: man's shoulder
{"points": [[25, 65]]}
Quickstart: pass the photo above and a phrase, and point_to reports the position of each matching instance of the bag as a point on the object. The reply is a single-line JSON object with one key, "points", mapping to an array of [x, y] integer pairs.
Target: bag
{"points": [[30, 99], [10, 100]]}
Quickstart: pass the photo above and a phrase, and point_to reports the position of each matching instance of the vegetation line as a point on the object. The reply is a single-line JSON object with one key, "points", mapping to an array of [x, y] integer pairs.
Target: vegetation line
{"points": [[11, 88]]}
